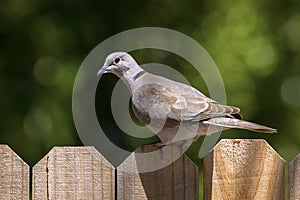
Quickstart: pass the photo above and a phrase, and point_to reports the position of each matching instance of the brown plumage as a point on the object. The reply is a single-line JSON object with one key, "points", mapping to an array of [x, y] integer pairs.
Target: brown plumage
{"points": [[175, 111]]}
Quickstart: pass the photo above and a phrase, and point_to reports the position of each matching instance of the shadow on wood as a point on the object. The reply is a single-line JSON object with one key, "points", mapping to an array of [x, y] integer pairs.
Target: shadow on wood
{"points": [[294, 179], [176, 181]]}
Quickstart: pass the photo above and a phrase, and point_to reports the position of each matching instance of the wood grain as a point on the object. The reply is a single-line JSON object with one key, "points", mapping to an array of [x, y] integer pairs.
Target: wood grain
{"points": [[294, 179], [14, 175], [177, 181], [243, 169], [73, 173]]}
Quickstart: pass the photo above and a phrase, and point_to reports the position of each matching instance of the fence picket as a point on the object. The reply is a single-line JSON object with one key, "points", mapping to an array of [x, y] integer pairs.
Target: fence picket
{"points": [[73, 173], [14, 175], [234, 169], [243, 169], [294, 178], [176, 181]]}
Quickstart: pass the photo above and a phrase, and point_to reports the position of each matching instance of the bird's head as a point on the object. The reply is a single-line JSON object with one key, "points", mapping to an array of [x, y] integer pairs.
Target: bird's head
{"points": [[118, 63]]}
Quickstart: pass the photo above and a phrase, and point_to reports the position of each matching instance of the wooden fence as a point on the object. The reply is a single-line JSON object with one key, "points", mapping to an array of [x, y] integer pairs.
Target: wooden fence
{"points": [[234, 169]]}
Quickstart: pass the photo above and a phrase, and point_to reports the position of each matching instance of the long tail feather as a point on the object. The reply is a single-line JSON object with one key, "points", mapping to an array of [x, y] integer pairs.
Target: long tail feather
{"points": [[241, 124]]}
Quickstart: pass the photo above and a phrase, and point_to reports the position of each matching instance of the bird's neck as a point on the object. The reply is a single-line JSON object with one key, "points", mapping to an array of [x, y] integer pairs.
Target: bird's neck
{"points": [[132, 75]]}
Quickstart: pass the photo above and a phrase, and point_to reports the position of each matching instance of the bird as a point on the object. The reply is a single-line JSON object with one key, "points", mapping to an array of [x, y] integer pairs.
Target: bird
{"points": [[175, 111]]}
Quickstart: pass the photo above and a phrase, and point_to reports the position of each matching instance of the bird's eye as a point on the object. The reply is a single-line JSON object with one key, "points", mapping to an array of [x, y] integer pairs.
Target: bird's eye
{"points": [[117, 60]]}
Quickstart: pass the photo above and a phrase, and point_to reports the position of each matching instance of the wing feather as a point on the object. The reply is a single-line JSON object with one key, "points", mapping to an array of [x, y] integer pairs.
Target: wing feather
{"points": [[175, 104]]}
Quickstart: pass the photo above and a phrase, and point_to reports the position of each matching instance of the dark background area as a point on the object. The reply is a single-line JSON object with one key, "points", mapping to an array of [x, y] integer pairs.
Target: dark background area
{"points": [[254, 43]]}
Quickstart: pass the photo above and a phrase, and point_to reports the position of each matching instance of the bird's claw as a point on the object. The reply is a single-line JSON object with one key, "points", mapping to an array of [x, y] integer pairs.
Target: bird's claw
{"points": [[156, 145]]}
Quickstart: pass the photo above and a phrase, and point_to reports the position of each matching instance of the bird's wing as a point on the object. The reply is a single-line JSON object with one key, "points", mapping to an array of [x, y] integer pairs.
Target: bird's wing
{"points": [[199, 107], [174, 104], [156, 101]]}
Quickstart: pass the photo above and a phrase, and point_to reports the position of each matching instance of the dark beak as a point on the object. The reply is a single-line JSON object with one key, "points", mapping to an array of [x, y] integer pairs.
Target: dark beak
{"points": [[102, 71]]}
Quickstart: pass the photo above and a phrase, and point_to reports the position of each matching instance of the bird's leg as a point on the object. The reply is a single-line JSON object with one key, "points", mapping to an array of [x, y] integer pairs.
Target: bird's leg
{"points": [[182, 147], [154, 146], [157, 145]]}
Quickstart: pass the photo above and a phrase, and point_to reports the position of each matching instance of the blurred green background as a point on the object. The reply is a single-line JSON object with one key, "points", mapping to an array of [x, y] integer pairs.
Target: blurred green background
{"points": [[255, 44]]}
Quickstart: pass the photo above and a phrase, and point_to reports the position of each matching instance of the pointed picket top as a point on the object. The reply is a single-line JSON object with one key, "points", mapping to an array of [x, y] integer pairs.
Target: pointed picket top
{"points": [[243, 169], [73, 173], [294, 178], [14, 175], [178, 180]]}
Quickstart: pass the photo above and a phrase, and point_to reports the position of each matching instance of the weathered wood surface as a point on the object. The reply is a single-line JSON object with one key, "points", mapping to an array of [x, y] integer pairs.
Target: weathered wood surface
{"points": [[73, 173], [235, 169], [294, 179], [14, 175], [243, 169], [177, 181]]}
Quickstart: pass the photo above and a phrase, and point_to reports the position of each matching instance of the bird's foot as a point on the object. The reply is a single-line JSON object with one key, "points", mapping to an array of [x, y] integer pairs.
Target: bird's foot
{"points": [[152, 146], [183, 147]]}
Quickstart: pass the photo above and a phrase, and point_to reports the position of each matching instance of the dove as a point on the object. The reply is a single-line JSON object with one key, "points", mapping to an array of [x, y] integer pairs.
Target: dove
{"points": [[173, 110]]}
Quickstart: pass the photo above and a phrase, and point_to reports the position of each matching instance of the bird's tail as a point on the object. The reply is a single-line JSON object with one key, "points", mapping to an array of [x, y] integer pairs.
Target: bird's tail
{"points": [[241, 124]]}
